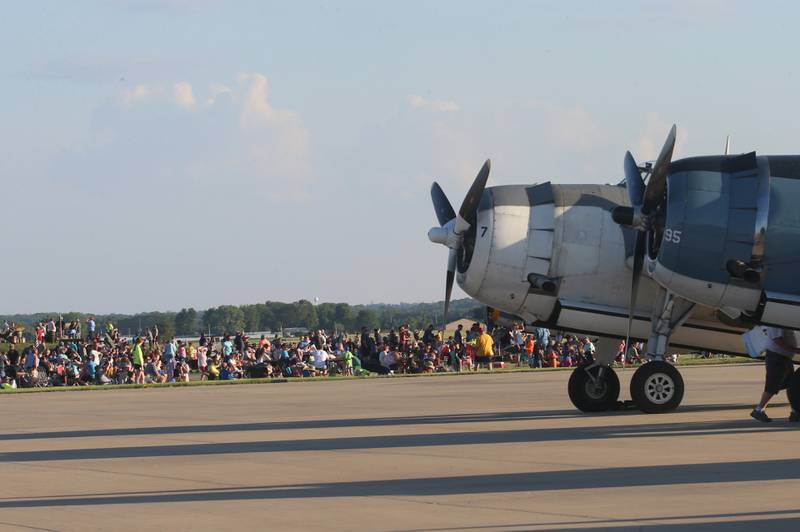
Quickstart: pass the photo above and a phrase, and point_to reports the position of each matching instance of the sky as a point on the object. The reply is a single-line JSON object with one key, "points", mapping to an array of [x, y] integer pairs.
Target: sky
{"points": [[162, 154]]}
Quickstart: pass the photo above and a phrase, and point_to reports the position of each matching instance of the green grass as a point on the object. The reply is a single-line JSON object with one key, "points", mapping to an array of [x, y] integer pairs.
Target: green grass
{"points": [[685, 360]]}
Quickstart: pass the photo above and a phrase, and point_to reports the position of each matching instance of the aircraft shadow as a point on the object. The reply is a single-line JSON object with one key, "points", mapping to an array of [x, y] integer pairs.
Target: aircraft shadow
{"points": [[614, 477], [528, 435], [352, 422], [745, 521]]}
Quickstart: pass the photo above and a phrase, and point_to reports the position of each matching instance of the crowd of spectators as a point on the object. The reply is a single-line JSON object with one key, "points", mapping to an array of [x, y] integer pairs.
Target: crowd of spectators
{"points": [[60, 356]]}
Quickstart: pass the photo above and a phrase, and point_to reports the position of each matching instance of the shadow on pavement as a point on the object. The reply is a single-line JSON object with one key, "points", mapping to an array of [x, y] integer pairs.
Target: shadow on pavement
{"points": [[353, 422], [744, 521], [616, 477], [730, 427]]}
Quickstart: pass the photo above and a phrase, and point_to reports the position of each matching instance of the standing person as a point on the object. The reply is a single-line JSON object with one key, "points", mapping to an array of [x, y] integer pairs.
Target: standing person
{"points": [[458, 336], [427, 336], [484, 349], [168, 356], [91, 325], [227, 347], [530, 346], [368, 348], [138, 361], [542, 336], [202, 362], [50, 330], [347, 361], [779, 368]]}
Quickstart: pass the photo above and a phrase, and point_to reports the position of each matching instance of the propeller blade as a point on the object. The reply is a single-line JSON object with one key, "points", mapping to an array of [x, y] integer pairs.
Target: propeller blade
{"points": [[638, 263], [658, 178], [468, 212], [728, 145], [633, 180], [448, 286], [444, 211]]}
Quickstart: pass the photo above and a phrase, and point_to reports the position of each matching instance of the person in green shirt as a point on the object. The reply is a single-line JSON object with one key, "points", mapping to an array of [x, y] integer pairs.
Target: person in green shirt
{"points": [[138, 361], [347, 359]]}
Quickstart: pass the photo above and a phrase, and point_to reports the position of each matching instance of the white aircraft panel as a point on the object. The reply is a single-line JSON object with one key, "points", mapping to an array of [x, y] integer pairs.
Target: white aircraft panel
{"points": [[783, 314], [540, 244], [577, 259], [583, 225], [543, 216], [503, 287], [534, 265], [741, 297], [510, 240], [692, 334]]}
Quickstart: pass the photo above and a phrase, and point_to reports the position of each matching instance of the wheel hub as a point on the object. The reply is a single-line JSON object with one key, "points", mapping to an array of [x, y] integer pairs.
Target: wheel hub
{"points": [[596, 389], [659, 388]]}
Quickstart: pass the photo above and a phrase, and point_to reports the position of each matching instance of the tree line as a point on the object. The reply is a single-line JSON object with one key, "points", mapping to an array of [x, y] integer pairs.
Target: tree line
{"points": [[272, 316]]}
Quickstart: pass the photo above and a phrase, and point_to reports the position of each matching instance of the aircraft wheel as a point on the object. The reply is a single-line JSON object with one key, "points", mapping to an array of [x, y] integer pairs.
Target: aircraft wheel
{"points": [[793, 390], [657, 387], [596, 395]]}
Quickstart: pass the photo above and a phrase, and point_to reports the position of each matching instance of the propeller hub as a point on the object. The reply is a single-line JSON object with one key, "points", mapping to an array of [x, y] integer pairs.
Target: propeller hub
{"points": [[438, 235]]}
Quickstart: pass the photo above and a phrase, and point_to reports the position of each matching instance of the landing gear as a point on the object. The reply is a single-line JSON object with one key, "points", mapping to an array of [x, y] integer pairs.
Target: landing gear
{"points": [[657, 387], [593, 389]]}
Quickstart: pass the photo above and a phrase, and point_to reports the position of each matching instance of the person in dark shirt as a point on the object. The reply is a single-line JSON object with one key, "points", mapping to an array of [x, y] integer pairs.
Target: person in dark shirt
{"points": [[458, 336], [13, 361]]}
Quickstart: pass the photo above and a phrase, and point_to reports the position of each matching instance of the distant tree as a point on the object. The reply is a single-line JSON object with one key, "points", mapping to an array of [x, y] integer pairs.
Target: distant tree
{"points": [[186, 321], [224, 319], [367, 318], [166, 327], [266, 319], [343, 317], [306, 314], [252, 317], [326, 315]]}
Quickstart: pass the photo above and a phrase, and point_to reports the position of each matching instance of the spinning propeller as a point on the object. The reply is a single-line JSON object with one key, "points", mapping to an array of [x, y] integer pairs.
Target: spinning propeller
{"points": [[646, 201], [453, 228]]}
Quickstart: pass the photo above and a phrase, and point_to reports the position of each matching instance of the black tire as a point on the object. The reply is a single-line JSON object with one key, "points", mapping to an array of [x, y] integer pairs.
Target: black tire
{"points": [[657, 387], [590, 397], [793, 390]]}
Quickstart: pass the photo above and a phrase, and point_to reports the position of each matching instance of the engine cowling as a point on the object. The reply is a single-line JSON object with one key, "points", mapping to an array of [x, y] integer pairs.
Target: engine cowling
{"points": [[725, 238]]}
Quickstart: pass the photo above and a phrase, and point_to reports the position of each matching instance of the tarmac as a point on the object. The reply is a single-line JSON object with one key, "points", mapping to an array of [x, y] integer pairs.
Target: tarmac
{"points": [[479, 452]]}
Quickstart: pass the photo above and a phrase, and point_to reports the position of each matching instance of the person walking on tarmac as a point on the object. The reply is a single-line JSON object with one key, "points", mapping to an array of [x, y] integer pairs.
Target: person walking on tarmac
{"points": [[778, 362]]}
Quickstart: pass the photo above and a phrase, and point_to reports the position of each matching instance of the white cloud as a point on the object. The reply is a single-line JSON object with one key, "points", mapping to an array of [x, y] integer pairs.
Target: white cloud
{"points": [[252, 141], [182, 94], [256, 109], [215, 91], [129, 96], [442, 106]]}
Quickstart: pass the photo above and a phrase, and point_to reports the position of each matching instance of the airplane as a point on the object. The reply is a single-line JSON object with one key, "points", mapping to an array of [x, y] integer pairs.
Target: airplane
{"points": [[686, 255]]}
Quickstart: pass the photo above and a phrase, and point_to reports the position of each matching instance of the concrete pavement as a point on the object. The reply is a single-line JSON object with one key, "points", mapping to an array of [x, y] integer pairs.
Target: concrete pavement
{"points": [[481, 452]]}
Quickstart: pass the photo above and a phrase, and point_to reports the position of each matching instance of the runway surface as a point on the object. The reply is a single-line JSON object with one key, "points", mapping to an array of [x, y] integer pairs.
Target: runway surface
{"points": [[481, 452]]}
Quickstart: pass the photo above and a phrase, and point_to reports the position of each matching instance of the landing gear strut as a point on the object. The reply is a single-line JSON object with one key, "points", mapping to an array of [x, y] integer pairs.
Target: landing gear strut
{"points": [[593, 388], [657, 386]]}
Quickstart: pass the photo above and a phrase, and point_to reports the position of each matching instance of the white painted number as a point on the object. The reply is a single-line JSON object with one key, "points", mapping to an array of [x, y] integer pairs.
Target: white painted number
{"points": [[671, 235]]}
